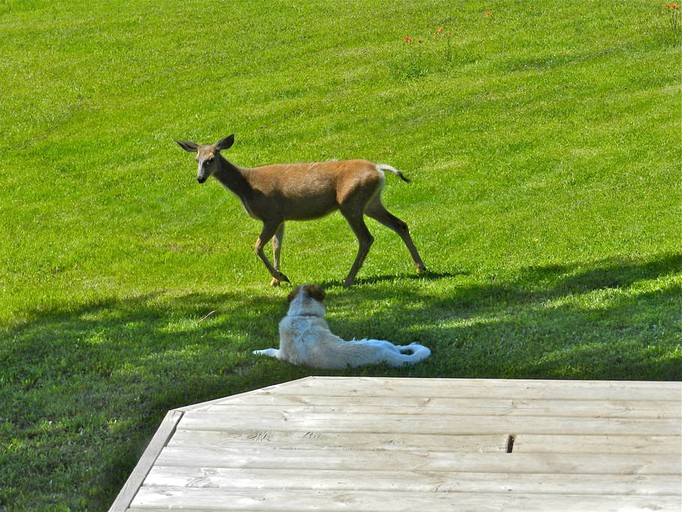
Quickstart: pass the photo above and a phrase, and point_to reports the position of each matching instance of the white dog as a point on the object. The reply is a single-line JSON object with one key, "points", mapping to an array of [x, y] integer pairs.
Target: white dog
{"points": [[305, 339]]}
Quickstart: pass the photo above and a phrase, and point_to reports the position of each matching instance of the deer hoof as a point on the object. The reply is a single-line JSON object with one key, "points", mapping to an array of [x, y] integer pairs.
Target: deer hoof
{"points": [[278, 279]]}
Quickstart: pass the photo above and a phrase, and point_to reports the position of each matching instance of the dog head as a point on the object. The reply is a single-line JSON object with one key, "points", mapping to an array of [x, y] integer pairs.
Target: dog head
{"points": [[306, 300]]}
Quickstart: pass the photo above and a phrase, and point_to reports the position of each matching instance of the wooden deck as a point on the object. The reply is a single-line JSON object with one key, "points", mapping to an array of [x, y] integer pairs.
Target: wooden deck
{"points": [[387, 444]]}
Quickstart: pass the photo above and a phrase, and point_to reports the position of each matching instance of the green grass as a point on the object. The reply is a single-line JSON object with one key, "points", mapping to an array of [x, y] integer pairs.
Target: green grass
{"points": [[543, 144]]}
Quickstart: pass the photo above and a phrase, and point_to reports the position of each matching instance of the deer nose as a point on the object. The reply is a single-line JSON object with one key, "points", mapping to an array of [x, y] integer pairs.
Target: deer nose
{"points": [[202, 173]]}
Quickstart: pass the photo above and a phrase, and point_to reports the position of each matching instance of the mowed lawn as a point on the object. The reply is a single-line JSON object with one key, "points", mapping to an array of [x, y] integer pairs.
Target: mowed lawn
{"points": [[543, 146]]}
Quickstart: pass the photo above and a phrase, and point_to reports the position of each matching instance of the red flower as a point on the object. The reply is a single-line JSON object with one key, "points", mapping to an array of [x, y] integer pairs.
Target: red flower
{"points": [[440, 29], [408, 39], [419, 40], [667, 6], [488, 14], [675, 7]]}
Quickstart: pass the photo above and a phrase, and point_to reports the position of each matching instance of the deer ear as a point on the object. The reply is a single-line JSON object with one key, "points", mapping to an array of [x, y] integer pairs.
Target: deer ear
{"points": [[225, 143], [190, 147]]}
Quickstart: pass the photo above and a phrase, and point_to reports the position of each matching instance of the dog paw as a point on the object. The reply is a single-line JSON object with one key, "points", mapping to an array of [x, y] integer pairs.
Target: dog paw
{"points": [[272, 352]]}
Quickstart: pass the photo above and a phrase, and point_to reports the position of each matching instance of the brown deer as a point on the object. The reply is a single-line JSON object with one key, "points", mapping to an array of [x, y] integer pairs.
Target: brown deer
{"points": [[280, 192]]}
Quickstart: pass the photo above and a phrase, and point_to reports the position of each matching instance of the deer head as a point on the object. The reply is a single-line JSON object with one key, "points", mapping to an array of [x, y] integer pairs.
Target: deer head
{"points": [[207, 156]]}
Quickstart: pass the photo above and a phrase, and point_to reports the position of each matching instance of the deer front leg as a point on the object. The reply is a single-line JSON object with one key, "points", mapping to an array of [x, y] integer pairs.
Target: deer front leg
{"points": [[277, 250], [268, 231]]}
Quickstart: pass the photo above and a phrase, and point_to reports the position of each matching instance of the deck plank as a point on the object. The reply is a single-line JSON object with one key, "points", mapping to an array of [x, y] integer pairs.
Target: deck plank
{"points": [[426, 424], [347, 460], [481, 443], [377, 444], [266, 500], [481, 388], [461, 406], [414, 481]]}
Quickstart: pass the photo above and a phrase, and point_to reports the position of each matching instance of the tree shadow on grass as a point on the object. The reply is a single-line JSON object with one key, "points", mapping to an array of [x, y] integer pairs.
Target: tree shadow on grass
{"points": [[84, 389]]}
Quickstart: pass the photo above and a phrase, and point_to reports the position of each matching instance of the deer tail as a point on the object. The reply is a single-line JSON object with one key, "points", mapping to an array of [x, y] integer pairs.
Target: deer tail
{"points": [[393, 170]]}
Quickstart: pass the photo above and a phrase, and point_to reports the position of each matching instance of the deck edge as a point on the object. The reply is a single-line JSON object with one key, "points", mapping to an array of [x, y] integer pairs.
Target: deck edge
{"points": [[144, 465], [208, 403]]}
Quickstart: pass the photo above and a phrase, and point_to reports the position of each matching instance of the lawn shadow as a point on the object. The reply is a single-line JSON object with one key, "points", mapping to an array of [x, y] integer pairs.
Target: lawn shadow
{"points": [[86, 387], [613, 319]]}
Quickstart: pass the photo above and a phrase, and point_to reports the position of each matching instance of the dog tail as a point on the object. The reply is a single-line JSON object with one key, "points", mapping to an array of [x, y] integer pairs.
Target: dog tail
{"points": [[414, 353]]}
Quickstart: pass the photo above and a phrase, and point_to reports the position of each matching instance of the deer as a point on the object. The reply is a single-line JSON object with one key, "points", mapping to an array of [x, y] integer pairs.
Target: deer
{"points": [[277, 193]]}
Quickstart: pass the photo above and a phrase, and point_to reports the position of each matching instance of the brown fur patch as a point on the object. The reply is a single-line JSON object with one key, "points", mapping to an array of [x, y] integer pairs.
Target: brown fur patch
{"points": [[312, 290], [315, 291], [293, 294]]}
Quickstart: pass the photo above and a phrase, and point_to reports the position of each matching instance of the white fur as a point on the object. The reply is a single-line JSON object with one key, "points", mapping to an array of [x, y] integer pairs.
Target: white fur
{"points": [[305, 339]]}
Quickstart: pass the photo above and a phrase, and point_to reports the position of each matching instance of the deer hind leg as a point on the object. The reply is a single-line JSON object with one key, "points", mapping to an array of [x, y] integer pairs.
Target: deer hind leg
{"points": [[269, 230], [378, 212], [365, 240], [276, 251]]}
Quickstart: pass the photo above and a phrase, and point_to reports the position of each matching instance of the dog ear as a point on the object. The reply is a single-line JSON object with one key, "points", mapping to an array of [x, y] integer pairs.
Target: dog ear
{"points": [[293, 294], [315, 291]]}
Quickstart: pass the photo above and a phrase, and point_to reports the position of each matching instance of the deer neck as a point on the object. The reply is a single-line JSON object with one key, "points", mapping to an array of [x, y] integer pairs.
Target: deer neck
{"points": [[232, 178]]}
